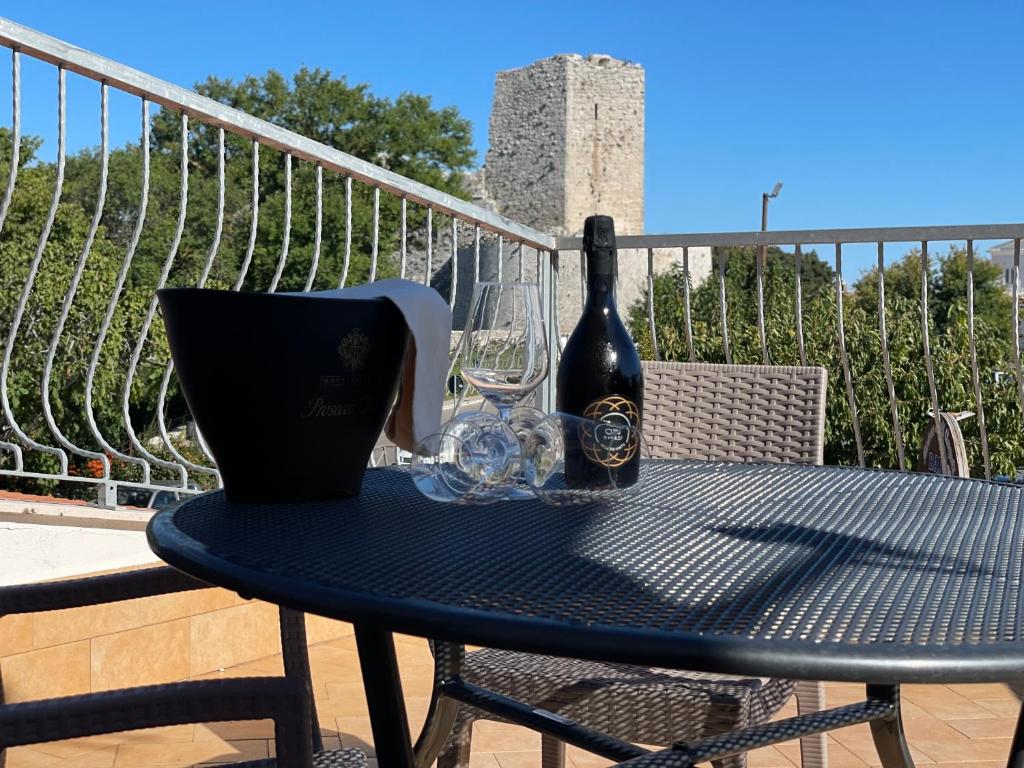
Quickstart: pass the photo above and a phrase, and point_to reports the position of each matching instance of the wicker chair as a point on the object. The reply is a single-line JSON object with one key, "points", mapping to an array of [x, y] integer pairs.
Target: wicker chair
{"points": [[693, 411], [287, 700]]}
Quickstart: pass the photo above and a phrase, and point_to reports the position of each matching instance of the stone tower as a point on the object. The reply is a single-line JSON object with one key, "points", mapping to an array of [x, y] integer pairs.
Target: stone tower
{"points": [[567, 141]]}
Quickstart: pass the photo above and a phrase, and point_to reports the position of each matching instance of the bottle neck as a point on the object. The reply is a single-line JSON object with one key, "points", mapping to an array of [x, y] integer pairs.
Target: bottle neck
{"points": [[601, 282]]}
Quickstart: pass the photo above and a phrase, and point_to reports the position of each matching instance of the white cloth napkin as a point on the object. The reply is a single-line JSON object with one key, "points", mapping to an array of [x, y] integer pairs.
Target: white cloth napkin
{"points": [[417, 412]]}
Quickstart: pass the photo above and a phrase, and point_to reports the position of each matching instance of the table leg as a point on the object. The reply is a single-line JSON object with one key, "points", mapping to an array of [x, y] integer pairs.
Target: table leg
{"points": [[887, 732], [1016, 759], [384, 697]]}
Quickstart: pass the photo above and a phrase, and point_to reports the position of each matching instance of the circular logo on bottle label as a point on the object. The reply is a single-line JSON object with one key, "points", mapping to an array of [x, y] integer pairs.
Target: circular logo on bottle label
{"points": [[612, 439]]}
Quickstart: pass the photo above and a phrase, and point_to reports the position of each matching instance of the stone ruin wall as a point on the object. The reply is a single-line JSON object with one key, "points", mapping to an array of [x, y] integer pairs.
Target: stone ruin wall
{"points": [[566, 140]]}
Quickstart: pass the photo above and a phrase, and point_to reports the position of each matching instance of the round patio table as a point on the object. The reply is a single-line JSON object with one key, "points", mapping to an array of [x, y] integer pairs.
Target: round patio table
{"points": [[811, 573]]}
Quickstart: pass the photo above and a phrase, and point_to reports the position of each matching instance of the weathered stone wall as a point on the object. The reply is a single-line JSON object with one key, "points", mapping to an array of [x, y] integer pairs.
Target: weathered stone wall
{"points": [[604, 143], [525, 163], [566, 142]]}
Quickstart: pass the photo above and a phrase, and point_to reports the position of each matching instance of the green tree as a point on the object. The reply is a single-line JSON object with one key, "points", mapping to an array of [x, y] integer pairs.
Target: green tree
{"points": [[18, 243], [407, 135], [947, 335]]}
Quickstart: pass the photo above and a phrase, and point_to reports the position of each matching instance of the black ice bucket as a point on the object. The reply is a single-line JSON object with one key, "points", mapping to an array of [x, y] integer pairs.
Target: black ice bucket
{"points": [[290, 392]]}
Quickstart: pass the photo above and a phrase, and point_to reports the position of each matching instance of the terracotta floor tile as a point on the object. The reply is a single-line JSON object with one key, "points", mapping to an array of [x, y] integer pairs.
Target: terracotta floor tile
{"points": [[942, 702], [838, 755], [527, 759], [71, 748], [857, 739], [356, 732], [985, 728], [234, 730], [175, 755], [28, 757], [168, 734], [98, 758], [580, 758], [1000, 707], [489, 736], [483, 760], [983, 690], [768, 757]]}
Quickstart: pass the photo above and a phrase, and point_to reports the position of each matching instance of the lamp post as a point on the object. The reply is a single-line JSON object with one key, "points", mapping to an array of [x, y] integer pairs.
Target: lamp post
{"points": [[765, 197]]}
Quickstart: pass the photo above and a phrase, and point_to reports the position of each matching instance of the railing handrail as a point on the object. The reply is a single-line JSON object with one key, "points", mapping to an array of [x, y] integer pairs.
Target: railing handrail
{"points": [[942, 233], [101, 69]]}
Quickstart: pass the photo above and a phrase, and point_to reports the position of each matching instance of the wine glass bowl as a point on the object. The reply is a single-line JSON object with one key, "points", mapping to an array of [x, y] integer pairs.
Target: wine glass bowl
{"points": [[504, 347]]}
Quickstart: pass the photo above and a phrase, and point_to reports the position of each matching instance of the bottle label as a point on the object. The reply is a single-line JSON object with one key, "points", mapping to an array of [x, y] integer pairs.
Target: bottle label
{"points": [[611, 438]]}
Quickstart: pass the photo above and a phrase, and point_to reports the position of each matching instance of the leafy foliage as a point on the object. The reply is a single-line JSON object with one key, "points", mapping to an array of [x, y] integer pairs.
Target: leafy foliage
{"points": [[948, 338], [407, 135]]}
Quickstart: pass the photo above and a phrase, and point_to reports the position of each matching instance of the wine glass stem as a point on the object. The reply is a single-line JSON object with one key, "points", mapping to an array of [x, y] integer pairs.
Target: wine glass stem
{"points": [[503, 412]]}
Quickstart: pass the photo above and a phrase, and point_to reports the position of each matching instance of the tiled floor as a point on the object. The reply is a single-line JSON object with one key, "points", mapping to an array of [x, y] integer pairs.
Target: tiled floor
{"points": [[961, 726]]}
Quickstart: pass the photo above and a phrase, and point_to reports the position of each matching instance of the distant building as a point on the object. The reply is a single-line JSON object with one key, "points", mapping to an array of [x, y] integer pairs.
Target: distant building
{"points": [[1002, 256]]}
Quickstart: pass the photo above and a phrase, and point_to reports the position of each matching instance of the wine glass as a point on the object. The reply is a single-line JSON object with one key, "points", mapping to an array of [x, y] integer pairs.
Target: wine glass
{"points": [[505, 356], [504, 346]]}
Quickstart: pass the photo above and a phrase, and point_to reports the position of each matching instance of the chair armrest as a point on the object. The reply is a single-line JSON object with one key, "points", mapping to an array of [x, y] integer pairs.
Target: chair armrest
{"points": [[95, 590], [286, 701]]}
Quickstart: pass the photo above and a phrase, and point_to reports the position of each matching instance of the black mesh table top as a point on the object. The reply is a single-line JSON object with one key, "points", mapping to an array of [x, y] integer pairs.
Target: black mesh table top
{"points": [[765, 569]]}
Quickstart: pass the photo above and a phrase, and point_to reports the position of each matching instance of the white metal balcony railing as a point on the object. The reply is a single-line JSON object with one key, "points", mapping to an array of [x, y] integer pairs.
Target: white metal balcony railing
{"points": [[34, 442]]}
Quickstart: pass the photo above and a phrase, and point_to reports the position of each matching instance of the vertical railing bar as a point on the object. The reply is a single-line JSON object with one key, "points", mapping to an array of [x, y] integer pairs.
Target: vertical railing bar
{"points": [[476, 253], [759, 257], [218, 229], [724, 316], [650, 303], [122, 275], [555, 353], [455, 263], [883, 336], [251, 246], [519, 250], [69, 297], [979, 408], [140, 342], [12, 176], [686, 305], [161, 423], [348, 232], [376, 234], [430, 246], [1016, 323], [925, 342], [318, 231], [30, 278], [151, 313], [537, 265], [844, 359], [798, 302], [501, 257], [546, 402], [215, 246], [404, 235], [287, 223], [211, 255], [583, 279]]}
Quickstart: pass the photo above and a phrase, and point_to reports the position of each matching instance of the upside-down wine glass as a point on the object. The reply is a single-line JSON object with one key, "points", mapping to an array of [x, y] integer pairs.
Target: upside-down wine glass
{"points": [[505, 356]]}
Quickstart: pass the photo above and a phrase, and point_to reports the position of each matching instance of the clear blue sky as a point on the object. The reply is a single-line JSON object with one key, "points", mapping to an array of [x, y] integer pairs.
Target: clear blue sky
{"points": [[871, 113]]}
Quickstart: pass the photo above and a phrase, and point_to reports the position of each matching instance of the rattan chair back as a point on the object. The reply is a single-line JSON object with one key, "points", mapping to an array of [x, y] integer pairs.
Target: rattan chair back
{"points": [[734, 412]]}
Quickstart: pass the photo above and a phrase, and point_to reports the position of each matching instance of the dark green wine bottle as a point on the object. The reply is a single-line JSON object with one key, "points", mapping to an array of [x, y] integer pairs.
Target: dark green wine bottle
{"points": [[600, 378]]}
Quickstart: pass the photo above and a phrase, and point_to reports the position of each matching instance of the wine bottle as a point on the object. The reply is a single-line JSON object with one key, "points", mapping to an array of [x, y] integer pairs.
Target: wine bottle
{"points": [[599, 377]]}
